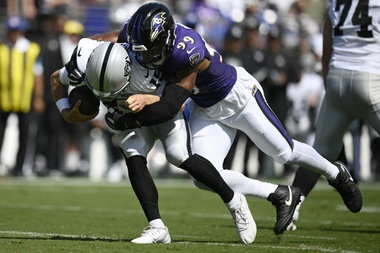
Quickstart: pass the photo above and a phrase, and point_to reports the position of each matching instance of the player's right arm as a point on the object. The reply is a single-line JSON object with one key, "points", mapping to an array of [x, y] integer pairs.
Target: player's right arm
{"points": [[327, 47], [60, 96], [108, 36]]}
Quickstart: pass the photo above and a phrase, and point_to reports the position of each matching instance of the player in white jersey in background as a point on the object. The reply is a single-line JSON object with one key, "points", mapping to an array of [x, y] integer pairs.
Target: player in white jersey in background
{"points": [[113, 76], [351, 70]]}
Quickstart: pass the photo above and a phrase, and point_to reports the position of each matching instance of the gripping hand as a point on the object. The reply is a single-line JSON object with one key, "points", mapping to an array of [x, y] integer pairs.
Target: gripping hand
{"points": [[76, 77], [120, 122]]}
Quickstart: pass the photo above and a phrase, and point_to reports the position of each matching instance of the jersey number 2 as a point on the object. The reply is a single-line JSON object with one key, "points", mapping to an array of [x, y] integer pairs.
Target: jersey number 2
{"points": [[360, 17]]}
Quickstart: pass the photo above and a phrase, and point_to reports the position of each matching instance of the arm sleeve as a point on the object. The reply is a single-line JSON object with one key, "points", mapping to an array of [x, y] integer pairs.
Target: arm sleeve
{"points": [[63, 76], [167, 108]]}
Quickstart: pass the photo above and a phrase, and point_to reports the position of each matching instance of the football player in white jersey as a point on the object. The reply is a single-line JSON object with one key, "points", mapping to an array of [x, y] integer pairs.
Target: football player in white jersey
{"points": [[113, 76], [351, 70], [146, 81], [223, 99]]}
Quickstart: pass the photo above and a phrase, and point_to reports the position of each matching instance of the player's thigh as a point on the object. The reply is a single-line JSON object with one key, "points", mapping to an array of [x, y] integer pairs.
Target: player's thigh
{"points": [[372, 94], [262, 126], [332, 123], [211, 139], [176, 139], [136, 142]]}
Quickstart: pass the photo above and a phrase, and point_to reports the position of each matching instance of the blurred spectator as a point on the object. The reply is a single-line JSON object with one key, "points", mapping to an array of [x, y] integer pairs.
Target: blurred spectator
{"points": [[51, 132], [281, 69], [72, 33], [22, 8], [304, 96], [298, 24], [21, 86], [209, 22], [233, 45], [57, 37]]}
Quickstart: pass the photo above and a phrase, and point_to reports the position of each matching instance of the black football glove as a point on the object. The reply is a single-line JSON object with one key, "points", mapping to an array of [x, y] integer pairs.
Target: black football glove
{"points": [[76, 77], [120, 122]]}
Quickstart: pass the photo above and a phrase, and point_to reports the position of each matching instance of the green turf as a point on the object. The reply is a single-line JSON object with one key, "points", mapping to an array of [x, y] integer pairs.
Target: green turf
{"points": [[75, 215]]}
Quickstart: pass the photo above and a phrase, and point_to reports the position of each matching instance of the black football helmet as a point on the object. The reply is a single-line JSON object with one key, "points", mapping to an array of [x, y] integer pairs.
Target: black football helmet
{"points": [[151, 33]]}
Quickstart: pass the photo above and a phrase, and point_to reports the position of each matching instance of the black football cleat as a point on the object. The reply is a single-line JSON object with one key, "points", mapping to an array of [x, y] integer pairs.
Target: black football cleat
{"points": [[348, 190], [285, 199]]}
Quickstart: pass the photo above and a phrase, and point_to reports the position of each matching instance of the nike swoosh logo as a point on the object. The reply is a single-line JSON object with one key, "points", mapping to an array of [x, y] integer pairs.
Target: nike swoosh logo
{"points": [[289, 201], [79, 52], [189, 51], [349, 174], [345, 170]]}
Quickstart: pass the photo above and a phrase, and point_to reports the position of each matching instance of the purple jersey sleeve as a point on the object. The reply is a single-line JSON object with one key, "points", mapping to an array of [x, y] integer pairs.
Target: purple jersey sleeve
{"points": [[189, 49]]}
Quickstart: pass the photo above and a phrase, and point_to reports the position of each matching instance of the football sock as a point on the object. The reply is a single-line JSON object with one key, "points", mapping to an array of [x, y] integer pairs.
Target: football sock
{"points": [[306, 156], [157, 223], [247, 186], [203, 171], [235, 199], [143, 186]]}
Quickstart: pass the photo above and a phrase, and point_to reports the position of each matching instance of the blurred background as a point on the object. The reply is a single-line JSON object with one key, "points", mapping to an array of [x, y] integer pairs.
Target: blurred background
{"points": [[278, 41]]}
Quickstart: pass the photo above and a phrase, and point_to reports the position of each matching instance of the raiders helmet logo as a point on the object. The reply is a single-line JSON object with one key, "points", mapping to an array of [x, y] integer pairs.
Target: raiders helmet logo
{"points": [[157, 25], [127, 66]]}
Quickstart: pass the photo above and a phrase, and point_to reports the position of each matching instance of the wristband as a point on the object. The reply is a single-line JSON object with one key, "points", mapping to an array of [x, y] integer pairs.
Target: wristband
{"points": [[63, 104]]}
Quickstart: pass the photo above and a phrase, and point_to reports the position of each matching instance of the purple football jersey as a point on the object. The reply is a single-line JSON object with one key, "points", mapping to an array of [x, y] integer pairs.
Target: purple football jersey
{"points": [[213, 84]]}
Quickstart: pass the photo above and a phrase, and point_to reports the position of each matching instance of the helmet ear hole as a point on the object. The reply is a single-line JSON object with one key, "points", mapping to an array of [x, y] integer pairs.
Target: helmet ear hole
{"points": [[151, 32], [108, 70]]}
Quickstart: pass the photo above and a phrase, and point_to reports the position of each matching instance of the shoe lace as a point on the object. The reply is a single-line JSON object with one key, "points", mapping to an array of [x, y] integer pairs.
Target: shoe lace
{"points": [[150, 231], [240, 218]]}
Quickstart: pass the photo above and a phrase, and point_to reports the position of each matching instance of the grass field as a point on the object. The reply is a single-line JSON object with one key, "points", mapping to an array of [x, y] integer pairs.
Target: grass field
{"points": [[76, 215]]}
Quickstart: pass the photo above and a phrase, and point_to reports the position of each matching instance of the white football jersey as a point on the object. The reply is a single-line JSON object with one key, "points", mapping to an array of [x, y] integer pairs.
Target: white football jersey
{"points": [[142, 79], [356, 35]]}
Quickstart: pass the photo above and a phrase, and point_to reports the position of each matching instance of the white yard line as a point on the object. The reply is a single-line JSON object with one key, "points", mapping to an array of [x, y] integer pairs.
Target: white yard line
{"points": [[301, 247]]}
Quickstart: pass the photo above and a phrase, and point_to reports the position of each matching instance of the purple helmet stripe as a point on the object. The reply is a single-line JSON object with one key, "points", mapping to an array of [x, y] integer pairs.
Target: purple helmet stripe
{"points": [[137, 28]]}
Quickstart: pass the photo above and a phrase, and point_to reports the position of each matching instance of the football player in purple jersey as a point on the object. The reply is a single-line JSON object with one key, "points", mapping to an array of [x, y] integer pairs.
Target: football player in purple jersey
{"points": [[113, 75], [224, 98]]}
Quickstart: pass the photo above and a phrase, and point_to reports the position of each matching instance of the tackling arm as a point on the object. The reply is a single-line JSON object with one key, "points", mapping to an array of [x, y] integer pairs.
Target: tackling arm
{"points": [[165, 109], [108, 36], [173, 97]]}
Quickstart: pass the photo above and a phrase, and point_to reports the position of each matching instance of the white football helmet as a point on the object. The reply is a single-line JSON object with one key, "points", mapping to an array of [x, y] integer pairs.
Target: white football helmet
{"points": [[108, 70]]}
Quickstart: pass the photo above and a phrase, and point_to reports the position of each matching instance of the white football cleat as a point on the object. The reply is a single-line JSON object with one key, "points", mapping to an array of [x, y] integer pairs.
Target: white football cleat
{"points": [[292, 226], [244, 222], [153, 235]]}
